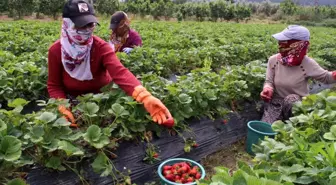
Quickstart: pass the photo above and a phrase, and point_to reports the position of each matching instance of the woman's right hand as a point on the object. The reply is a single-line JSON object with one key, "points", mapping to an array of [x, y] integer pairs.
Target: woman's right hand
{"points": [[67, 115], [267, 94]]}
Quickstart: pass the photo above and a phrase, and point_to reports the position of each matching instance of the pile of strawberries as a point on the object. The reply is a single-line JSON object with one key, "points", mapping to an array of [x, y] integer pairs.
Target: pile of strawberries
{"points": [[182, 172]]}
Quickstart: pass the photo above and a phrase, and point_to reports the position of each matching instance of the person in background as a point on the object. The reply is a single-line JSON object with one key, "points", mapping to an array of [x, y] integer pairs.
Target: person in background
{"points": [[81, 63], [123, 38], [288, 73]]}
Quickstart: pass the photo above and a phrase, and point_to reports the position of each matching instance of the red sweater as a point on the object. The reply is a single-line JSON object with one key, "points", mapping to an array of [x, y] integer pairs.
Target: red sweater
{"points": [[105, 67]]}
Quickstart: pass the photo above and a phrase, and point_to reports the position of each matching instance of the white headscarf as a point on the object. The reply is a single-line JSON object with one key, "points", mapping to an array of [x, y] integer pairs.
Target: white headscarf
{"points": [[76, 47]]}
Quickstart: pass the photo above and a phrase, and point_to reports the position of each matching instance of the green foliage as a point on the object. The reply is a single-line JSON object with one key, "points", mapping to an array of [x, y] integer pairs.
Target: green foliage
{"points": [[304, 149], [107, 7], [288, 7]]}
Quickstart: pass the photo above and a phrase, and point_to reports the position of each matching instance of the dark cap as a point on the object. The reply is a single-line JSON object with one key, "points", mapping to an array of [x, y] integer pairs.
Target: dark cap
{"points": [[80, 12], [116, 18]]}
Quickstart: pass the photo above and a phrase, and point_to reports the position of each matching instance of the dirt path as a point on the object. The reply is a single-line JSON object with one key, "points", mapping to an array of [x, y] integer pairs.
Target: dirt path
{"points": [[227, 157]]}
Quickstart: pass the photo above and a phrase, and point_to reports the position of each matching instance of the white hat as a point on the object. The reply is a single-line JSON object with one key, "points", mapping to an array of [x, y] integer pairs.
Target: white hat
{"points": [[293, 32]]}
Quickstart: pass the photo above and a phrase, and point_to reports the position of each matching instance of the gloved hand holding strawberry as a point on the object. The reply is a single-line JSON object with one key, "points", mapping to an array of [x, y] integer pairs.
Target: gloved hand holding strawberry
{"points": [[267, 93], [154, 106]]}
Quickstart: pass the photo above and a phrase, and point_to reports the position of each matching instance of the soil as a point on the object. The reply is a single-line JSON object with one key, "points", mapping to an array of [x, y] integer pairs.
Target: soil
{"points": [[227, 157]]}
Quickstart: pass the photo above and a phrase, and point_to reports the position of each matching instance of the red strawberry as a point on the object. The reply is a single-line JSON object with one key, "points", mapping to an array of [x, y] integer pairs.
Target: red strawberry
{"points": [[177, 177], [190, 179], [195, 145], [198, 176], [224, 121], [193, 172], [155, 155], [185, 176], [196, 167], [169, 123], [169, 177], [167, 167], [183, 169], [176, 166], [174, 171], [167, 172]]}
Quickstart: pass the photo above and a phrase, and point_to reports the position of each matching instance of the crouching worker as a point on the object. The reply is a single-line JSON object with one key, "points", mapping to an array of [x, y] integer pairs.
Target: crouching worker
{"points": [[288, 73]]}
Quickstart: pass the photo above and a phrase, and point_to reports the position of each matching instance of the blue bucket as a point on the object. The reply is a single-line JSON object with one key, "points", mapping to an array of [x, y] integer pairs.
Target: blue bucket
{"points": [[164, 181], [257, 130]]}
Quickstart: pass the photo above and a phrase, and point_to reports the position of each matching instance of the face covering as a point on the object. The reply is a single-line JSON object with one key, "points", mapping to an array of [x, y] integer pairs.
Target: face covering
{"points": [[75, 48], [292, 52]]}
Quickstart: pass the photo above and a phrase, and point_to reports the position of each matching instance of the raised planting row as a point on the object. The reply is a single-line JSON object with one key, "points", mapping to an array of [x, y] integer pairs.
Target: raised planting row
{"points": [[44, 137]]}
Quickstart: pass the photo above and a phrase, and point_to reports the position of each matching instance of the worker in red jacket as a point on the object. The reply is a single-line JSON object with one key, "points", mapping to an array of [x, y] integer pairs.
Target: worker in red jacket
{"points": [[81, 63], [123, 38]]}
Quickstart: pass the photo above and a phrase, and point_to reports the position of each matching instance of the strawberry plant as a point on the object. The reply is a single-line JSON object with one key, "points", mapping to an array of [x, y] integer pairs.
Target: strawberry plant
{"points": [[245, 175], [304, 149]]}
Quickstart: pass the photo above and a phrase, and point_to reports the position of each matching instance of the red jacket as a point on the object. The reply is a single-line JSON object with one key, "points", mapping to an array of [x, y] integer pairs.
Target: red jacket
{"points": [[105, 67], [132, 41]]}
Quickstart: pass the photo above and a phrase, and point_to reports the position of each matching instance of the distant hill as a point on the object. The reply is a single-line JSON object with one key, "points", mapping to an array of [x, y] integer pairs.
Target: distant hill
{"points": [[302, 2]]}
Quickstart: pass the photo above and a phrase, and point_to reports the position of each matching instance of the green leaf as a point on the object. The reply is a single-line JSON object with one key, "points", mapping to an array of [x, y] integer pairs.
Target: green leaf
{"points": [[69, 148], [333, 175], [73, 137], [92, 134], [244, 167], [221, 169], [118, 110], [90, 109], [304, 180], [52, 146], [17, 182], [329, 136], [61, 122], [275, 176], [47, 117], [238, 178], [184, 98], [37, 131], [36, 134], [3, 126], [18, 102], [332, 181], [102, 165], [103, 141], [331, 99], [10, 148], [333, 130], [55, 163]]}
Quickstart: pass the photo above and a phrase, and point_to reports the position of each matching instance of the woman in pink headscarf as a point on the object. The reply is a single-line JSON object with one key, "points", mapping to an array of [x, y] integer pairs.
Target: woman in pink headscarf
{"points": [[288, 73]]}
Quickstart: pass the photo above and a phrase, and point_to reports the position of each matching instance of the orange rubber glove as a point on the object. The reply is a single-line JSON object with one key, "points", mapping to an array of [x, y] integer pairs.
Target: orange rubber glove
{"points": [[67, 115], [154, 106], [267, 93]]}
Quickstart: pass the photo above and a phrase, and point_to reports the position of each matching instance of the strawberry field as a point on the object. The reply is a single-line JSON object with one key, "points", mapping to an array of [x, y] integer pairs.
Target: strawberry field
{"points": [[217, 70]]}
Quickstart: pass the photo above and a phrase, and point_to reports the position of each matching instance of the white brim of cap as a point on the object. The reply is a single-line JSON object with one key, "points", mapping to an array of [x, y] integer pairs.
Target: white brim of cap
{"points": [[280, 36]]}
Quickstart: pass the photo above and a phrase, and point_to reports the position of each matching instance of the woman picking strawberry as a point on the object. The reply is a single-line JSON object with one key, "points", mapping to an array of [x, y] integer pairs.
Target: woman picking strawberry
{"points": [[288, 73], [81, 63], [123, 38]]}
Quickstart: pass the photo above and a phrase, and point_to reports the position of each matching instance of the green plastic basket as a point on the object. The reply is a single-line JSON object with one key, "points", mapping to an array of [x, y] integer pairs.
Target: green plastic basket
{"points": [[257, 130], [164, 181]]}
